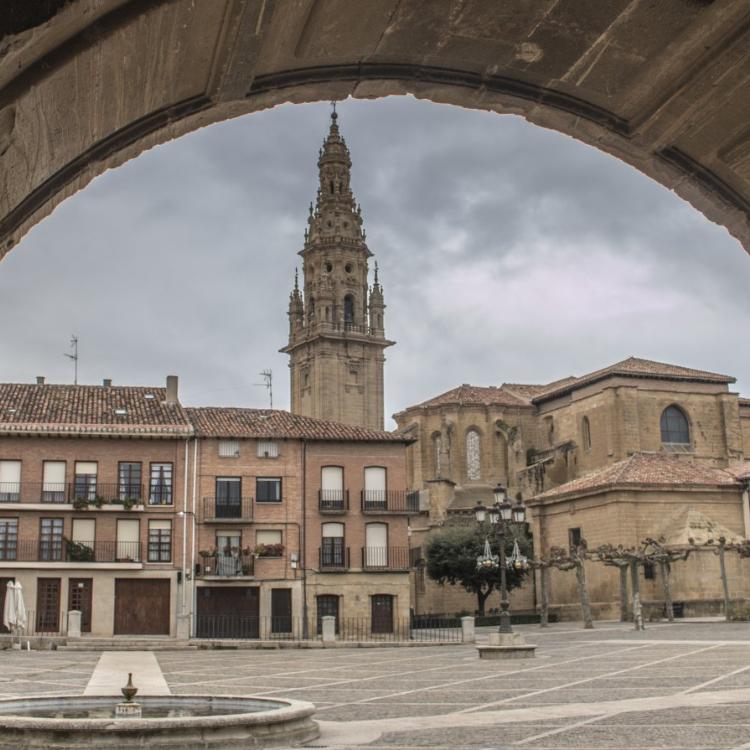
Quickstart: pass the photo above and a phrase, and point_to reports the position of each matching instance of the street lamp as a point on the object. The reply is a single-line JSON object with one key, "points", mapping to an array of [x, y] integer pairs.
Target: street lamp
{"points": [[502, 515]]}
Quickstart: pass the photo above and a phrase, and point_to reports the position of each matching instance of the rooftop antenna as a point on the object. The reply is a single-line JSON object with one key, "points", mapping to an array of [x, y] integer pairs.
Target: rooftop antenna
{"points": [[267, 383], [74, 357]]}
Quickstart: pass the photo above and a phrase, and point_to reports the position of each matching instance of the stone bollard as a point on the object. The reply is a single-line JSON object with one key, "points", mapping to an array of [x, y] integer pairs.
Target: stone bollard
{"points": [[467, 630], [74, 624], [183, 627], [328, 628]]}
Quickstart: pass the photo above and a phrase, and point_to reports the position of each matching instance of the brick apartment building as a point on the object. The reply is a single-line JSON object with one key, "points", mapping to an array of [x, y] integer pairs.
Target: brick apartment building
{"points": [[155, 519]]}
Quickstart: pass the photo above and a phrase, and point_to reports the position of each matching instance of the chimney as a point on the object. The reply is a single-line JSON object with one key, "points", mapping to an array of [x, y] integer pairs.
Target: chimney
{"points": [[107, 382], [40, 379], [172, 390]]}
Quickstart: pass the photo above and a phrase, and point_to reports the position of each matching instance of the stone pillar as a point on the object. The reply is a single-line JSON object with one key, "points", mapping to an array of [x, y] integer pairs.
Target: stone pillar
{"points": [[328, 628], [467, 630], [74, 624]]}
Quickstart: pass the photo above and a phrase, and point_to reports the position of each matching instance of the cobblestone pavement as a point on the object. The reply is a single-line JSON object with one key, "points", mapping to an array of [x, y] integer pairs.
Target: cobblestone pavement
{"points": [[677, 687]]}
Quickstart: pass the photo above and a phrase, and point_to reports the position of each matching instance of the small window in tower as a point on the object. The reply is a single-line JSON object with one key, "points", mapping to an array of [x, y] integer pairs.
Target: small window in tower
{"points": [[346, 224], [332, 186], [330, 223], [348, 266], [348, 309], [329, 265]]}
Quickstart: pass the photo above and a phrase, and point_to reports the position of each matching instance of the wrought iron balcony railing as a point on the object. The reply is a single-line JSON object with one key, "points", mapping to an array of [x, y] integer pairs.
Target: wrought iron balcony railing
{"points": [[385, 558], [333, 501], [333, 557], [390, 501], [60, 549], [225, 564], [220, 510]]}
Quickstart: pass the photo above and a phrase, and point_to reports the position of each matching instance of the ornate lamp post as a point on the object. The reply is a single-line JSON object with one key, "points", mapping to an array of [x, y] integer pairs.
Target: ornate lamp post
{"points": [[503, 516]]}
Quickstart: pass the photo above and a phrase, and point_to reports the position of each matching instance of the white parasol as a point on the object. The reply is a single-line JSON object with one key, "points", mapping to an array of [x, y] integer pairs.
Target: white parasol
{"points": [[14, 612]]}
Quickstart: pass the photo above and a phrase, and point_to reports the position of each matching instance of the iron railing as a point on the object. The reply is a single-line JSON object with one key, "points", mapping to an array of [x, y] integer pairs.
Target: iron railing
{"points": [[220, 509], [48, 624], [385, 558], [94, 493], [59, 549], [389, 501], [334, 557], [363, 629], [225, 564], [333, 501]]}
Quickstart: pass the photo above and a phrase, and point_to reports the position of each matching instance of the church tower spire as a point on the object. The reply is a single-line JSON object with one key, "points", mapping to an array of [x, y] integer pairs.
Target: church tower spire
{"points": [[336, 329]]}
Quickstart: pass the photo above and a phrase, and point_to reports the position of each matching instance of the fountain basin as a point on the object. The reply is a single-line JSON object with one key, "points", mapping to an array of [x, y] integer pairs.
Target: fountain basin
{"points": [[188, 722]]}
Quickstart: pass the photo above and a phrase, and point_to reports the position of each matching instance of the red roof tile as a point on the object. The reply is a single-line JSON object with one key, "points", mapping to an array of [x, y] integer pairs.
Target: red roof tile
{"points": [[652, 469], [474, 395], [89, 409], [228, 422]]}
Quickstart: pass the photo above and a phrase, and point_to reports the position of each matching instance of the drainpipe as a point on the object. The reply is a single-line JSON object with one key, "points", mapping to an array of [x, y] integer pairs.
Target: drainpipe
{"points": [[192, 538], [303, 542], [746, 508], [184, 530]]}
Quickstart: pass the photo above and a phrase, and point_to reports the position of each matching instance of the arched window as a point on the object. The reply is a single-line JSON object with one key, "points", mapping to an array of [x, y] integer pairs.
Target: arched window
{"points": [[437, 447], [586, 430], [473, 455], [674, 426], [348, 309]]}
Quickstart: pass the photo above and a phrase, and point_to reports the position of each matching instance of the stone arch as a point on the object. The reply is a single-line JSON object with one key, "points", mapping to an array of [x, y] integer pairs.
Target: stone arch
{"points": [[675, 427], [167, 67]]}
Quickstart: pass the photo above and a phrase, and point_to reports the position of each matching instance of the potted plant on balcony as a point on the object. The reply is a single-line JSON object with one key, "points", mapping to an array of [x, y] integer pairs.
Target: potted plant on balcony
{"points": [[128, 503], [97, 501], [80, 503], [269, 550], [78, 551]]}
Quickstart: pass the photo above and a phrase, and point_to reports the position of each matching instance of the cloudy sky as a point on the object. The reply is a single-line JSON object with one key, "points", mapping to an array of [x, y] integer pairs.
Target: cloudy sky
{"points": [[507, 253]]}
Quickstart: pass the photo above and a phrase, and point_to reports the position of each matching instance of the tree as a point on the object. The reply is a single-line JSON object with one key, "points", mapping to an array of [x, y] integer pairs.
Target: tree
{"points": [[575, 559], [451, 557]]}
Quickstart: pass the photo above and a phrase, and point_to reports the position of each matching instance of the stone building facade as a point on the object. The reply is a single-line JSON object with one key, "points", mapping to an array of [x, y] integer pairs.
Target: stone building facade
{"points": [[539, 440], [154, 519], [337, 320]]}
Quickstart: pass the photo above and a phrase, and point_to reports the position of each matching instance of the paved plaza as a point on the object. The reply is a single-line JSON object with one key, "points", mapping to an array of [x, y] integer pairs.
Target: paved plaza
{"points": [[683, 687]]}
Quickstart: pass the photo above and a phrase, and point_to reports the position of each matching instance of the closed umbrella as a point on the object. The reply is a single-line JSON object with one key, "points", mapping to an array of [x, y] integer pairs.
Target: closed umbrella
{"points": [[14, 612]]}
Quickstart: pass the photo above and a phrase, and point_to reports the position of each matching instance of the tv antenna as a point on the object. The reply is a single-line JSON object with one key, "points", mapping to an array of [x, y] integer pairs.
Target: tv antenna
{"points": [[267, 383], [74, 357]]}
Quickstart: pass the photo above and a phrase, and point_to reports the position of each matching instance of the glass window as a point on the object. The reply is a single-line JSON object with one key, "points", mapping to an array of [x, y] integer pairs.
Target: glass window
{"points": [[228, 497], [473, 456], [160, 487], [375, 488], [129, 474], [376, 545], [8, 538], [85, 480], [268, 543], [574, 537], [50, 538], [10, 481], [160, 541], [268, 489], [332, 545], [674, 426], [53, 482]]}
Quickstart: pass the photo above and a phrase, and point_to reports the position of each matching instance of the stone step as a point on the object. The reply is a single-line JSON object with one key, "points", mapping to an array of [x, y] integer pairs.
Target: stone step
{"points": [[125, 644]]}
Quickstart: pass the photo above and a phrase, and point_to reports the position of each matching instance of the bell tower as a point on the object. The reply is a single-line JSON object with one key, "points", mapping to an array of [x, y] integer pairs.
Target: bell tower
{"points": [[336, 321]]}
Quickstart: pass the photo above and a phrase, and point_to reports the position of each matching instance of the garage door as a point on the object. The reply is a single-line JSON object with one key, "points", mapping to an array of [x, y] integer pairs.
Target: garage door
{"points": [[228, 612], [141, 606]]}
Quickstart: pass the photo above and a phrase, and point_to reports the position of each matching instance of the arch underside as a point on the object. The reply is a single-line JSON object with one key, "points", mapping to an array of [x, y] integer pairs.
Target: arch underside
{"points": [[87, 85]]}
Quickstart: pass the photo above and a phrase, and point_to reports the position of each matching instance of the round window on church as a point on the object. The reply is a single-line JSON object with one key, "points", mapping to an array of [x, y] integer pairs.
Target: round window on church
{"points": [[348, 267]]}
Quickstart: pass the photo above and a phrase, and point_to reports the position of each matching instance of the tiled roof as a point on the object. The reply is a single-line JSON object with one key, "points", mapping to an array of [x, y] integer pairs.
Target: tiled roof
{"points": [[89, 409], [634, 367], [474, 395], [229, 422], [744, 401], [652, 469], [741, 470], [530, 391]]}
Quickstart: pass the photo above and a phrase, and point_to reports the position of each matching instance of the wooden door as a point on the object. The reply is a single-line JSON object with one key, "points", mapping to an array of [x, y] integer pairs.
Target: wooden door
{"points": [[281, 610], [382, 613], [142, 606], [3, 590], [228, 612], [47, 605], [79, 597]]}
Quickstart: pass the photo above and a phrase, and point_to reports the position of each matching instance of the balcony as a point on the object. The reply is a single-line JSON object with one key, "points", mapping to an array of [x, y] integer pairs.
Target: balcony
{"points": [[94, 494], [333, 501], [236, 564], [66, 550], [333, 558], [385, 558], [226, 510], [390, 502]]}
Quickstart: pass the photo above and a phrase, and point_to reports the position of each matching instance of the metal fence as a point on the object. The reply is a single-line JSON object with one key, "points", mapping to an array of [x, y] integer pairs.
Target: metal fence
{"points": [[352, 629], [48, 624]]}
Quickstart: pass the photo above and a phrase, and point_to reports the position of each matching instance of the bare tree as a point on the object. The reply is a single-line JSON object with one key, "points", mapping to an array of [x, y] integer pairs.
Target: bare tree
{"points": [[659, 554], [575, 559]]}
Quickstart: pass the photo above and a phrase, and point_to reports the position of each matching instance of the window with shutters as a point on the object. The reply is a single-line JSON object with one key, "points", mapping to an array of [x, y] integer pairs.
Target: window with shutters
{"points": [[268, 489], [332, 545], [84, 481], [269, 543], [268, 449], [229, 448], [128, 539], [10, 481], [50, 538], [53, 482], [8, 538], [160, 486], [129, 476]]}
